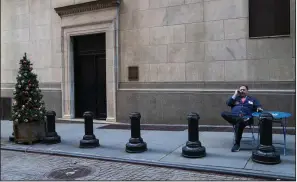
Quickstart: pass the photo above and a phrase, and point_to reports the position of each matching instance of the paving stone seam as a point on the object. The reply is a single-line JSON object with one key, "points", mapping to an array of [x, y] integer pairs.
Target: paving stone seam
{"points": [[171, 152], [235, 172], [247, 163]]}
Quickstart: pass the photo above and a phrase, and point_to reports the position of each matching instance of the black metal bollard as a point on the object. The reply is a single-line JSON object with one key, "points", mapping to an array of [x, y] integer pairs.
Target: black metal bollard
{"points": [[89, 140], [193, 148], [11, 137], [265, 152], [51, 136], [136, 143]]}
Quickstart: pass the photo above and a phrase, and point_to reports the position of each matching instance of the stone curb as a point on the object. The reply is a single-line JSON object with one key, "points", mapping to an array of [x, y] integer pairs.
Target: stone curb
{"points": [[231, 171]]}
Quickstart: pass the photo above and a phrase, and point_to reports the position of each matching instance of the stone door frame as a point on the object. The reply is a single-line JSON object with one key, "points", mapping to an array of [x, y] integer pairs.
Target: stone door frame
{"points": [[70, 29]]}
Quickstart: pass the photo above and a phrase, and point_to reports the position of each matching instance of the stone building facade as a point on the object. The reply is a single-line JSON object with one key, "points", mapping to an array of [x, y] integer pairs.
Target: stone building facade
{"points": [[163, 58]]}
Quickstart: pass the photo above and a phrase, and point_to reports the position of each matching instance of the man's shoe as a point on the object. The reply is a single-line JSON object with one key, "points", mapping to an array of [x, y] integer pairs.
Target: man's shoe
{"points": [[235, 148]]}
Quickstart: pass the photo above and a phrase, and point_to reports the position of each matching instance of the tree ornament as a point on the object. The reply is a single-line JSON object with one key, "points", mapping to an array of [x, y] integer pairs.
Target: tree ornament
{"points": [[25, 74], [19, 86], [26, 120]]}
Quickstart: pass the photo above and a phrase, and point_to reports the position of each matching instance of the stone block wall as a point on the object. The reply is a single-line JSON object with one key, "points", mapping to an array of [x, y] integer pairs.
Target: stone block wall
{"points": [[185, 49], [34, 27], [192, 54], [200, 40]]}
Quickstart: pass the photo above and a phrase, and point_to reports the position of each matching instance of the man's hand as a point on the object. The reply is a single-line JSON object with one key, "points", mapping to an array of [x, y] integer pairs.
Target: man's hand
{"points": [[235, 93], [259, 109]]}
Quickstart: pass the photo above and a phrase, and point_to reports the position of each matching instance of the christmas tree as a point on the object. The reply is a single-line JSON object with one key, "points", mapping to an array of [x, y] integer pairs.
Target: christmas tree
{"points": [[28, 105]]}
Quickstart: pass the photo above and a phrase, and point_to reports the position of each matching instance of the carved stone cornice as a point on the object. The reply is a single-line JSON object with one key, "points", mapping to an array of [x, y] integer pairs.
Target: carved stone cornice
{"points": [[88, 6]]}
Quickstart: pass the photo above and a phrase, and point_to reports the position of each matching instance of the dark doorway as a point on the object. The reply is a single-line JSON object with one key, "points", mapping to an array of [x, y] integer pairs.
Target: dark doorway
{"points": [[90, 75]]}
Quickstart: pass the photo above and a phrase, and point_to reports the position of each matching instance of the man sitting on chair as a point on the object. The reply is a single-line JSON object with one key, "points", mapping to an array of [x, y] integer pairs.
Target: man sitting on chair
{"points": [[242, 106]]}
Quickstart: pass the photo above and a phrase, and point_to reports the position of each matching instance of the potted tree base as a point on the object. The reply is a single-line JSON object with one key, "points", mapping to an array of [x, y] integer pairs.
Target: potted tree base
{"points": [[28, 108], [29, 133]]}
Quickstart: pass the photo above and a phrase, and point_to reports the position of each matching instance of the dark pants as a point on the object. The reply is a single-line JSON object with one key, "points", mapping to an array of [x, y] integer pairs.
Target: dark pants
{"points": [[238, 122]]}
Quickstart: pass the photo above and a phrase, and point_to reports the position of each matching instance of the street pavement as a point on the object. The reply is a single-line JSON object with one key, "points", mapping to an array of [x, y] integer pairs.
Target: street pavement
{"points": [[164, 150], [28, 166]]}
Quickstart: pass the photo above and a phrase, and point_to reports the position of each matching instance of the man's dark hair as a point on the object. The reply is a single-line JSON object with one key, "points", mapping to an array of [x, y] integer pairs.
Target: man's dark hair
{"points": [[247, 88]]}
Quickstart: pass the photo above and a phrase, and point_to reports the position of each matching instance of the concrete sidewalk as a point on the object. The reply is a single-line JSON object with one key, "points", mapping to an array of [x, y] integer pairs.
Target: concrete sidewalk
{"points": [[164, 149]]}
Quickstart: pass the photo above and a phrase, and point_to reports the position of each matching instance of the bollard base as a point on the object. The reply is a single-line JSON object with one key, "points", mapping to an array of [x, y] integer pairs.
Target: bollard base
{"points": [[136, 145], [52, 138], [266, 155], [193, 150], [11, 138], [89, 141]]}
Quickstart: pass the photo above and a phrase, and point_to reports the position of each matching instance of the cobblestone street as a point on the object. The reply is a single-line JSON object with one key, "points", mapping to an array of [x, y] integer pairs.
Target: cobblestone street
{"points": [[28, 166]]}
